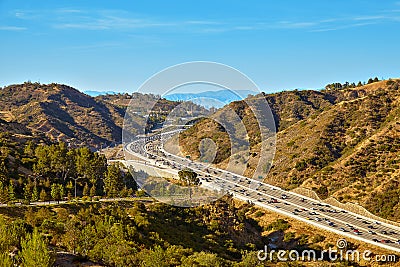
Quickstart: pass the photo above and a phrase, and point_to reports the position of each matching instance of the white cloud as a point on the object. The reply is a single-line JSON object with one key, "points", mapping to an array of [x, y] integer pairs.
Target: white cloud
{"points": [[12, 28]]}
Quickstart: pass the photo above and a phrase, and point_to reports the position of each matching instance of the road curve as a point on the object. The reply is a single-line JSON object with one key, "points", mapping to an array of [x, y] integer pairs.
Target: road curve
{"points": [[307, 210]]}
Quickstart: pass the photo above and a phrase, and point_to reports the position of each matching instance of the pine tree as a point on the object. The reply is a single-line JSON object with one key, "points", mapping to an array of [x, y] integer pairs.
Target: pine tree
{"points": [[86, 190], [35, 194], [11, 193], [34, 251], [43, 195], [113, 182], [28, 192], [54, 192], [61, 191], [4, 196], [93, 190]]}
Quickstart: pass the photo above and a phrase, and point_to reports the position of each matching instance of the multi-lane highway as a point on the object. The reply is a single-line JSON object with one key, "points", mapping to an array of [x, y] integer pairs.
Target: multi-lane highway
{"points": [[308, 210]]}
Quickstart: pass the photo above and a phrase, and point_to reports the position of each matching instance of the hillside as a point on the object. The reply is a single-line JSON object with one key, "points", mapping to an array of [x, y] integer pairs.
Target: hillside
{"points": [[342, 143], [136, 233], [61, 113]]}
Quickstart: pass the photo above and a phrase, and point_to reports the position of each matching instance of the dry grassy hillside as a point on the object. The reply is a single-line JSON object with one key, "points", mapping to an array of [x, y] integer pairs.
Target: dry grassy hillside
{"points": [[342, 143], [61, 113]]}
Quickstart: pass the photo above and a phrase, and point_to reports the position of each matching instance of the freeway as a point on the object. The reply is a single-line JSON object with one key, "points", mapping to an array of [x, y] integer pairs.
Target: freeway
{"points": [[270, 197]]}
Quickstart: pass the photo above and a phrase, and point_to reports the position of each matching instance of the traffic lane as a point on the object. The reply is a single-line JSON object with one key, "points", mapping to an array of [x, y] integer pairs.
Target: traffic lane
{"points": [[359, 228], [355, 222], [338, 214]]}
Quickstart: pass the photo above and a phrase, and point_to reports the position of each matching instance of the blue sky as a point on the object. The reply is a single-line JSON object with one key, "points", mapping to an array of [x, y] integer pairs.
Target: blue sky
{"points": [[117, 45]]}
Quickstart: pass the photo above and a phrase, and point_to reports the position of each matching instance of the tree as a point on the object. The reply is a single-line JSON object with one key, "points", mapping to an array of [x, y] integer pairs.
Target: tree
{"points": [[92, 192], [28, 191], [57, 192], [90, 165], [113, 182], [62, 161], [4, 196], [35, 194], [69, 188], [34, 251], [3, 169], [55, 195], [11, 193], [43, 162], [86, 190], [43, 195], [189, 178]]}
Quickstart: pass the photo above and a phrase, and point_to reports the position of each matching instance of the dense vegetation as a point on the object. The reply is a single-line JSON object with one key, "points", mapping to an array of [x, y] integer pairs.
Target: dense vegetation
{"points": [[34, 172], [223, 233]]}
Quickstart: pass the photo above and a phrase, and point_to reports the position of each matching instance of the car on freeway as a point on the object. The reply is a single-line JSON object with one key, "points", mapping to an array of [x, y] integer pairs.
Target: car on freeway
{"points": [[342, 229], [375, 240], [371, 232], [384, 232], [274, 200]]}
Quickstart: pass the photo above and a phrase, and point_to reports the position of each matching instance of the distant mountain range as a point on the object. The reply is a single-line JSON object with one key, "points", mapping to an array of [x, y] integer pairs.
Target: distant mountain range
{"points": [[98, 93], [210, 99]]}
